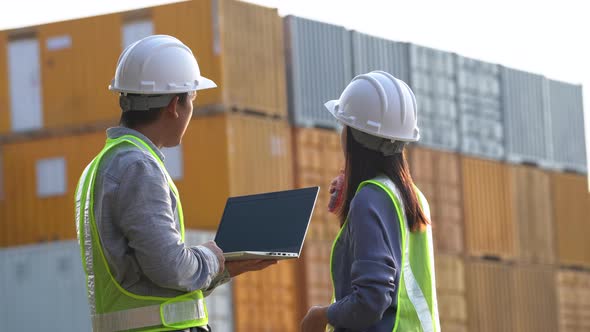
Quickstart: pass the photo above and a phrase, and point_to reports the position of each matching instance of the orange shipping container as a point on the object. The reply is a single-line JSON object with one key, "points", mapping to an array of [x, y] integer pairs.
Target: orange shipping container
{"points": [[534, 297], [573, 290], [489, 295], [450, 290], [4, 92], [267, 300], [438, 175], [239, 46], [489, 225], [572, 218], [40, 177], [78, 60], [231, 155], [533, 213]]}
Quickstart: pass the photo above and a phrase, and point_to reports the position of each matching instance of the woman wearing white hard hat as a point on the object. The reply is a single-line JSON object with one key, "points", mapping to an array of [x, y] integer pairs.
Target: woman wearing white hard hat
{"points": [[382, 264], [141, 276]]}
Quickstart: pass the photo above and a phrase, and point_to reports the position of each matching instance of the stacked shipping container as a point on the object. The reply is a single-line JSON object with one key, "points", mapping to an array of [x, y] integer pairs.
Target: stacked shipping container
{"points": [[480, 208]]}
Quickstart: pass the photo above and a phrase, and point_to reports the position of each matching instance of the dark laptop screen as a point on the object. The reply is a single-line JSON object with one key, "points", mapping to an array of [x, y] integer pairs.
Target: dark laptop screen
{"points": [[267, 222]]}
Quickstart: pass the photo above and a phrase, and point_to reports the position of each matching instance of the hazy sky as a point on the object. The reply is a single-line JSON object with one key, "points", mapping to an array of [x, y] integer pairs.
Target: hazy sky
{"points": [[545, 37]]}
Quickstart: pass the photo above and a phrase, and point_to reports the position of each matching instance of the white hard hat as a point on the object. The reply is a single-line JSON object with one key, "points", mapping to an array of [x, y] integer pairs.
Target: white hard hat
{"points": [[158, 64], [380, 105]]}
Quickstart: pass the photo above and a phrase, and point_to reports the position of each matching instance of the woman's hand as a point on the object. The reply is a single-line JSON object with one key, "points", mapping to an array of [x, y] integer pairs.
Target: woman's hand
{"points": [[235, 268], [315, 320]]}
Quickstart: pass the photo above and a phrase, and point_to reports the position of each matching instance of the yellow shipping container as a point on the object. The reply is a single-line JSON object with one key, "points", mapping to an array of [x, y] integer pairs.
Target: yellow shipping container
{"points": [[573, 289], [78, 59], [450, 290], [572, 218], [4, 92], [238, 45], [31, 212]]}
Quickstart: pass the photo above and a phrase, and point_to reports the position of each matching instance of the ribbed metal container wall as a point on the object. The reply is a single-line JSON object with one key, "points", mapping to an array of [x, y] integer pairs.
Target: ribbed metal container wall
{"points": [[220, 302], [530, 191], [489, 296], [318, 159], [571, 207], [489, 226], [267, 300], [231, 155], [319, 66], [438, 175], [78, 60], [43, 288], [480, 108], [567, 126], [32, 213], [433, 80], [534, 299], [4, 94], [527, 127], [196, 24], [450, 291], [373, 53], [573, 289], [253, 57]]}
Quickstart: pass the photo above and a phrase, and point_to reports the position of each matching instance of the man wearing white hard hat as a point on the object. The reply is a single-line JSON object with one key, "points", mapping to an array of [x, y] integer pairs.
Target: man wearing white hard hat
{"points": [[140, 274], [382, 259]]}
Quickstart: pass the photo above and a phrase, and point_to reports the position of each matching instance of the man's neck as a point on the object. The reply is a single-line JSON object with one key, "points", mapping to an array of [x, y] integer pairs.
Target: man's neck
{"points": [[153, 133]]}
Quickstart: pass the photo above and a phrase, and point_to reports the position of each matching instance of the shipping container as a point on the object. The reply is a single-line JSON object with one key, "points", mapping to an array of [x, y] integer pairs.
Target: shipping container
{"points": [[78, 60], [318, 159], [526, 117], [480, 109], [534, 299], [231, 155], [438, 175], [450, 291], [5, 117], [238, 45], [319, 66], [573, 289], [490, 294], [373, 53], [571, 212], [40, 177], [566, 110], [43, 288], [433, 80], [532, 210], [489, 226], [136, 29]]}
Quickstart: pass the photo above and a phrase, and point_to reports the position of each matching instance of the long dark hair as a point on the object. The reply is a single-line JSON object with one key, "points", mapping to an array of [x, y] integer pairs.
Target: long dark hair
{"points": [[365, 164]]}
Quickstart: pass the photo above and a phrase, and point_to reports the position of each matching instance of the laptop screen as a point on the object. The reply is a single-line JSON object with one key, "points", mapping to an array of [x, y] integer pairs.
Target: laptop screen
{"points": [[273, 222]]}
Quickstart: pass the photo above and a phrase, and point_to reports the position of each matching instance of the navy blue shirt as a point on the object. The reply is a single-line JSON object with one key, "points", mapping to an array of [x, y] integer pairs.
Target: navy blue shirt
{"points": [[366, 265]]}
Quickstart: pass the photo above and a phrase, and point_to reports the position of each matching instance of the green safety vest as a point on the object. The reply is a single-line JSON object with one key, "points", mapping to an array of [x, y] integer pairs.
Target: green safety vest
{"points": [[112, 307], [417, 308]]}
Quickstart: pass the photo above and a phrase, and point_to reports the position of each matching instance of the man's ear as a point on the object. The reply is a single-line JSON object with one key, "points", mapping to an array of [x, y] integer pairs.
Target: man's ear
{"points": [[170, 110]]}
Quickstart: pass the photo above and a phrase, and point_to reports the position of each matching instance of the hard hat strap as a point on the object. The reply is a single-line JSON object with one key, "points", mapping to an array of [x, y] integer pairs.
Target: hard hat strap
{"points": [[143, 102], [385, 146]]}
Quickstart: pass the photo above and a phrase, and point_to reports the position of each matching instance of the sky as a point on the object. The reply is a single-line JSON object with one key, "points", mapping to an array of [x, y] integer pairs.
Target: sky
{"points": [[540, 36]]}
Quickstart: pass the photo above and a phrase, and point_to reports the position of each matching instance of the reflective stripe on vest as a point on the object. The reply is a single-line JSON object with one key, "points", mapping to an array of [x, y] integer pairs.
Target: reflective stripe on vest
{"points": [[112, 307], [414, 313]]}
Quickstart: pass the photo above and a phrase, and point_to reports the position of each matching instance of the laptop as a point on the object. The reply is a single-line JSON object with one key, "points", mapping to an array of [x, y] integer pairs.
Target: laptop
{"points": [[266, 226]]}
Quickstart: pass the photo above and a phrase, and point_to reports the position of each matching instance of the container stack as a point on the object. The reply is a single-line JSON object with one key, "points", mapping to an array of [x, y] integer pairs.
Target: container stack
{"points": [[501, 161]]}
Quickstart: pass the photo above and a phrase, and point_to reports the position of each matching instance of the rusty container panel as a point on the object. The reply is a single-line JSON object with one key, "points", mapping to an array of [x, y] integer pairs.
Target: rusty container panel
{"points": [[535, 304], [4, 90], [253, 57], [438, 175], [78, 60], [231, 155], [489, 295], [32, 216], [450, 290], [489, 226], [573, 289], [530, 190], [571, 202]]}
